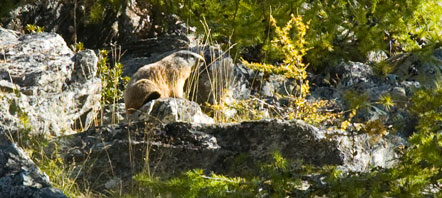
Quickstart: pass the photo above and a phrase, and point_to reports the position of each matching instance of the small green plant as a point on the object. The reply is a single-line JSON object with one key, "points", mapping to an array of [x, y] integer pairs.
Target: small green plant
{"points": [[111, 79], [257, 109], [383, 68], [386, 101], [427, 105], [98, 10], [242, 110], [77, 47], [356, 100], [338, 29], [32, 28], [190, 184], [292, 50], [293, 68], [60, 174]]}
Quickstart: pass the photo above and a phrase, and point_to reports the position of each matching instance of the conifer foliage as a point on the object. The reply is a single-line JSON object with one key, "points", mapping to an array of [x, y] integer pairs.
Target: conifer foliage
{"points": [[337, 27]]}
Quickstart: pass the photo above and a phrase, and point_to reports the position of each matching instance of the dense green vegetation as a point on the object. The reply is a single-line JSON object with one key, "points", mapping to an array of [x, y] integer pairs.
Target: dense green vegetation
{"points": [[338, 29]]}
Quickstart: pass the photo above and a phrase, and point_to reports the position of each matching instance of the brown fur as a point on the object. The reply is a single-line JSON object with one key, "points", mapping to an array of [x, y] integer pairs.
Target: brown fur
{"points": [[161, 79]]}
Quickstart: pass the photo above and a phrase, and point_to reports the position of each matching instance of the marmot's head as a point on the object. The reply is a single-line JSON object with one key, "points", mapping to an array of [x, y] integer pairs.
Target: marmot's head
{"points": [[186, 58]]}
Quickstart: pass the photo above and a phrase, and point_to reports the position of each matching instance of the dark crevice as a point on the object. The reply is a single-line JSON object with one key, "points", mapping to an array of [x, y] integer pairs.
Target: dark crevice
{"points": [[152, 96]]}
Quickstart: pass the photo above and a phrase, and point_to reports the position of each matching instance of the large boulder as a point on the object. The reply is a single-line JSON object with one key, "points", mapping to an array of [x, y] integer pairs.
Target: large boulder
{"points": [[45, 87], [20, 177], [116, 153]]}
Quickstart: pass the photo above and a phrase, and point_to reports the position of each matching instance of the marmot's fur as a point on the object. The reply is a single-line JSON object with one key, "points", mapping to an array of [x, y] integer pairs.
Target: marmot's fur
{"points": [[161, 79]]}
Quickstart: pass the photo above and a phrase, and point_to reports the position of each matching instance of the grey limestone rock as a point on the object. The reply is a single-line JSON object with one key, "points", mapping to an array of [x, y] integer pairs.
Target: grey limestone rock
{"points": [[7, 37], [277, 84], [377, 56], [20, 177], [355, 73], [133, 22], [120, 151], [112, 114], [45, 86], [171, 110], [418, 68], [356, 79]]}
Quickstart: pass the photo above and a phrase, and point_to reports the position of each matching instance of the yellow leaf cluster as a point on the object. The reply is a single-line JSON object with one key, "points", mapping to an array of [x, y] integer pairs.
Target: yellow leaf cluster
{"points": [[293, 50]]}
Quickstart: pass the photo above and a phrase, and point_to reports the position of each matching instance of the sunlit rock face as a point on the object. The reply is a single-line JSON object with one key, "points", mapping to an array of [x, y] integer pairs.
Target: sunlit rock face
{"points": [[45, 87]]}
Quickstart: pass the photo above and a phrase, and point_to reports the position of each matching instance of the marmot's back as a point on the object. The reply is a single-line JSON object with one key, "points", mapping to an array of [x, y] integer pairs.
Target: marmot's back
{"points": [[161, 79]]}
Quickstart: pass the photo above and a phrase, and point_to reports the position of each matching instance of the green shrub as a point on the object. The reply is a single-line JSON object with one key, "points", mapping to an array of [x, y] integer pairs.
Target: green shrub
{"points": [[279, 178], [111, 77], [338, 29]]}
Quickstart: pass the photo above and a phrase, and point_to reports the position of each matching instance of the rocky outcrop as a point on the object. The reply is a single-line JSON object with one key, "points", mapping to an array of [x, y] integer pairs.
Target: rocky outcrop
{"points": [[413, 67], [45, 87], [128, 22], [171, 110], [118, 152], [20, 177], [359, 81]]}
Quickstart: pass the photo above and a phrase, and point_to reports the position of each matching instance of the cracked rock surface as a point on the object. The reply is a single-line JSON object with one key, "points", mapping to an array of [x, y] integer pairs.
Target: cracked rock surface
{"points": [[118, 152], [45, 85]]}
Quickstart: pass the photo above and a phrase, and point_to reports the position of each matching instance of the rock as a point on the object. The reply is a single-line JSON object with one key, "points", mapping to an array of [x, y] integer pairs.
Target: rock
{"points": [[362, 154], [376, 56], [119, 151], [52, 15], [211, 80], [7, 37], [112, 114], [38, 62], [278, 84], [241, 84], [46, 87], [135, 22], [355, 73], [85, 66], [415, 67], [127, 24], [171, 110], [359, 80], [20, 177]]}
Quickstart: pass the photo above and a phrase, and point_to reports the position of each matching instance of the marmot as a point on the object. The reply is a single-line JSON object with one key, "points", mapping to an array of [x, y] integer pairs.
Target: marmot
{"points": [[161, 79]]}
